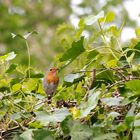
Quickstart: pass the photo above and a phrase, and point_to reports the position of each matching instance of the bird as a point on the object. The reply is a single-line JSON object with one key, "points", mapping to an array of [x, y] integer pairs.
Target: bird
{"points": [[50, 82]]}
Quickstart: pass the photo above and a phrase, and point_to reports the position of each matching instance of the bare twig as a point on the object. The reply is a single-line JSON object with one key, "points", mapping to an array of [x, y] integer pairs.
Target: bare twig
{"points": [[100, 69]]}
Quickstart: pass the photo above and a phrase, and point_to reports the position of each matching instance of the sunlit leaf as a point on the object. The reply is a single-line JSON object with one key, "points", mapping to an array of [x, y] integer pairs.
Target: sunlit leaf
{"points": [[130, 58], [110, 16], [7, 57], [133, 85], [16, 87], [137, 32], [23, 36], [90, 20]]}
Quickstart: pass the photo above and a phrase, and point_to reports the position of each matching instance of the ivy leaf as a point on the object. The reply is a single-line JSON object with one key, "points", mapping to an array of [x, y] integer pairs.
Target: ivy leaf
{"points": [[80, 131], [111, 101], [136, 134], [86, 107], [108, 136], [27, 135], [71, 78], [57, 116], [43, 134], [90, 20], [72, 53], [67, 124]]}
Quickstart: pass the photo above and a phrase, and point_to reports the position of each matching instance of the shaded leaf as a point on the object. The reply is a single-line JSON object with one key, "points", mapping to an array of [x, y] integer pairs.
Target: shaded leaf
{"points": [[11, 68], [43, 134], [73, 52], [108, 136], [27, 135], [80, 131]]}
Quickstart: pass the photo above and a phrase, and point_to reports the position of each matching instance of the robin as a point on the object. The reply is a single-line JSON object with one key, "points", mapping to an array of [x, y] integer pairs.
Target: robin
{"points": [[50, 82]]}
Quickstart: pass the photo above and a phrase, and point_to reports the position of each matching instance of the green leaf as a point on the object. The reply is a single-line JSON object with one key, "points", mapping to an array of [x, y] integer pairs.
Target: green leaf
{"points": [[23, 36], [133, 85], [43, 134], [11, 68], [112, 63], [7, 57], [35, 124], [71, 78], [137, 120], [111, 101], [86, 107], [30, 85], [113, 30], [27, 135], [110, 16], [121, 127], [90, 20], [15, 116], [80, 131], [108, 136], [16, 87], [131, 57], [92, 55], [67, 124], [137, 32], [136, 134], [57, 116], [72, 53]]}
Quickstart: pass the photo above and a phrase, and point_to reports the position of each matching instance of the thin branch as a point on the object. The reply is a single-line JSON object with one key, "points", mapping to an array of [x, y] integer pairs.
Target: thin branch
{"points": [[100, 69], [121, 82]]}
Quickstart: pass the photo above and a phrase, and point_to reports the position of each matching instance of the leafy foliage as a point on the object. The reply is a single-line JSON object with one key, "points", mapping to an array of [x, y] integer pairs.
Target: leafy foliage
{"points": [[98, 99]]}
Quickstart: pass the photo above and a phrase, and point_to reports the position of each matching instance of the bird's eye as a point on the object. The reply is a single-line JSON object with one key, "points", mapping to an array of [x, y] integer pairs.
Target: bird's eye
{"points": [[50, 69]]}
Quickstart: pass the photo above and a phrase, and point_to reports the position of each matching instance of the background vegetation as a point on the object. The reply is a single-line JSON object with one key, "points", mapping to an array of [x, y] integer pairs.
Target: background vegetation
{"points": [[98, 95]]}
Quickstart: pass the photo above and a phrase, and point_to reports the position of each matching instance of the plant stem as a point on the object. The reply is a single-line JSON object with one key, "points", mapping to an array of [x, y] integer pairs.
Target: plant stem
{"points": [[104, 39], [29, 58]]}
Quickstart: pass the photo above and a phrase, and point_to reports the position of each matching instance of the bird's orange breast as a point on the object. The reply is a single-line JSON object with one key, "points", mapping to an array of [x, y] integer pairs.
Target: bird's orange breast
{"points": [[52, 78]]}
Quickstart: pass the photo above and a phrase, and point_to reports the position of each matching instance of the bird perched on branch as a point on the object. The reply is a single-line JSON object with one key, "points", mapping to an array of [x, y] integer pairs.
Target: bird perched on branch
{"points": [[50, 82]]}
